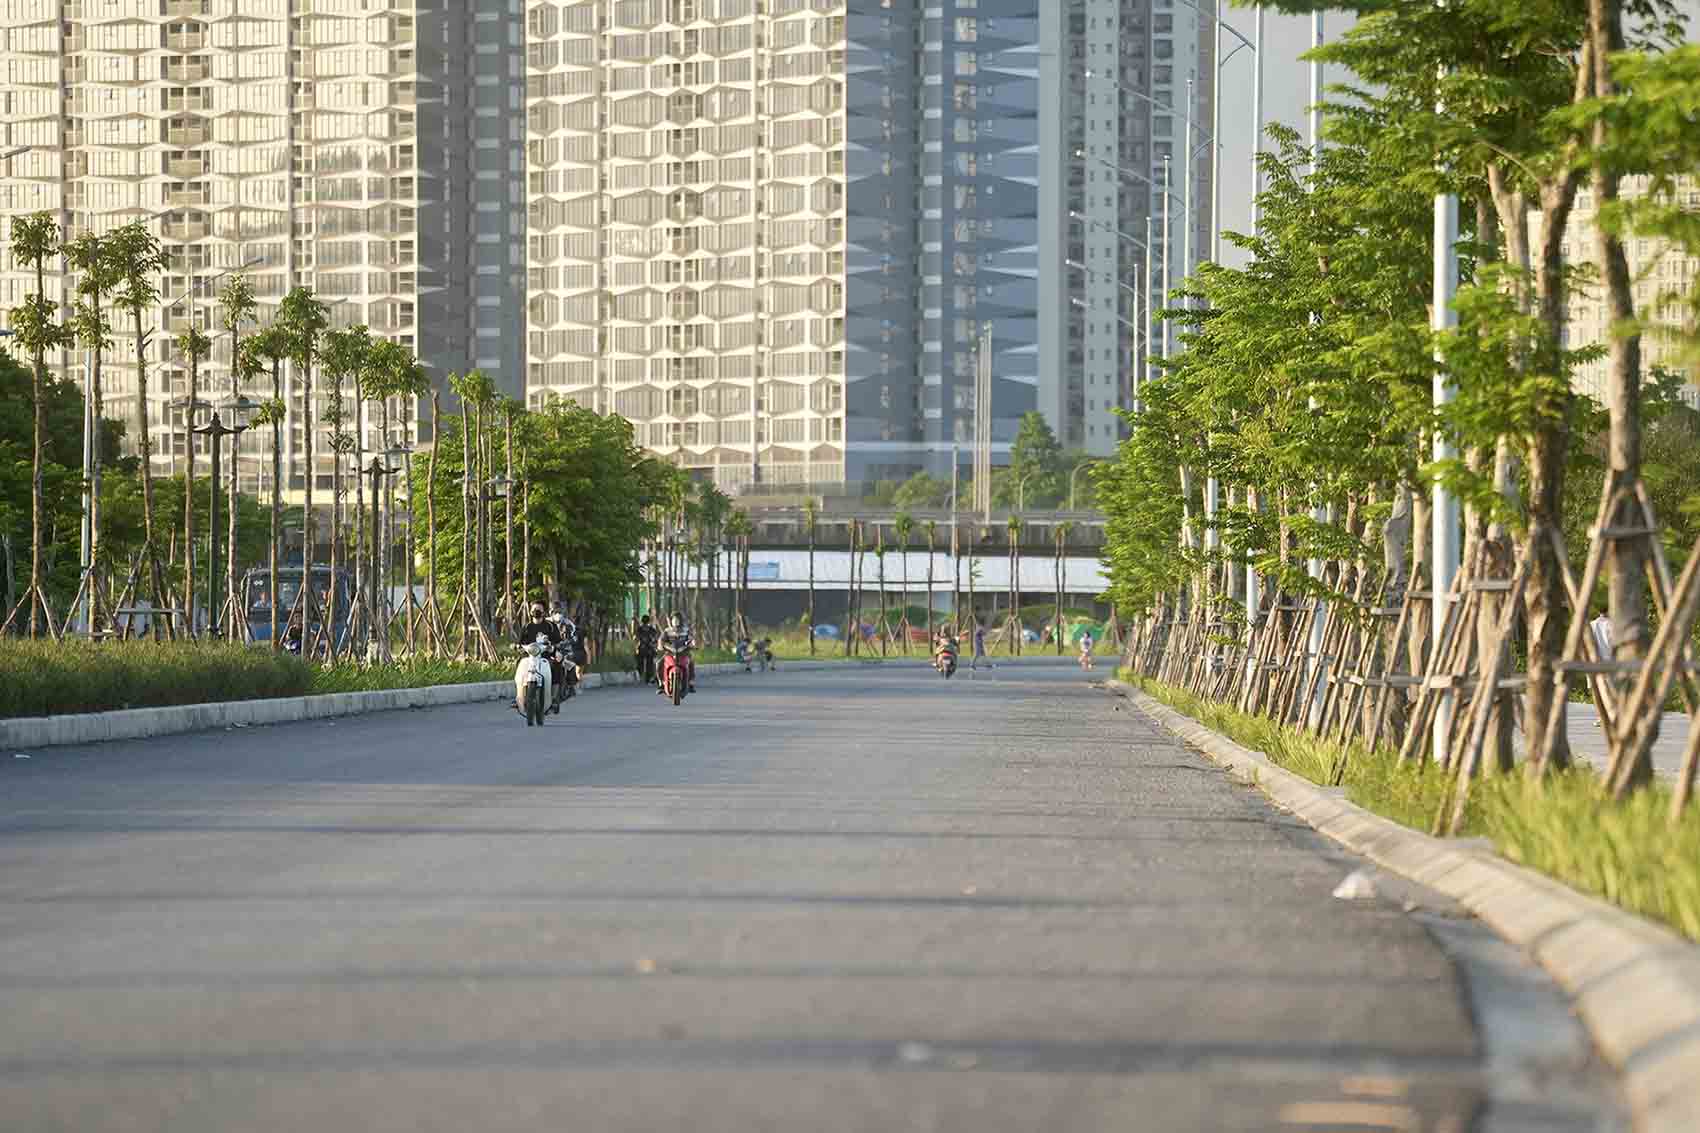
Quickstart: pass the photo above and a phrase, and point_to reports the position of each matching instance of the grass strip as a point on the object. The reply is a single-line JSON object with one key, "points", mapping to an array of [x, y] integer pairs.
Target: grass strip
{"points": [[46, 678], [1565, 826]]}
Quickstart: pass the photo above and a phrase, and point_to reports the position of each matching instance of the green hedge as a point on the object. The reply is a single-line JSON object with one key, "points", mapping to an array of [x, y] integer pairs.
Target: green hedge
{"points": [[42, 678], [418, 672]]}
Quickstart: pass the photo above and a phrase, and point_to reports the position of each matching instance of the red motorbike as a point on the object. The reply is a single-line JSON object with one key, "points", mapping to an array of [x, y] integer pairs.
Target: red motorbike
{"points": [[675, 674]]}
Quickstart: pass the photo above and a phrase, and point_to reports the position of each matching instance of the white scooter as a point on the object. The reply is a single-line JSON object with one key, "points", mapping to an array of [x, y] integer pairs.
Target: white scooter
{"points": [[532, 682]]}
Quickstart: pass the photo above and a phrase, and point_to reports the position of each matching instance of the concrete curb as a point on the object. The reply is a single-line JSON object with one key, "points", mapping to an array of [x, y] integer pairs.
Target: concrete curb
{"points": [[27, 733], [1635, 985]]}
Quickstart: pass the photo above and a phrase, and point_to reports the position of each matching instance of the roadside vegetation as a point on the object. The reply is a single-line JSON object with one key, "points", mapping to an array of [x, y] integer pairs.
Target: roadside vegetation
{"points": [[44, 678], [1627, 853]]}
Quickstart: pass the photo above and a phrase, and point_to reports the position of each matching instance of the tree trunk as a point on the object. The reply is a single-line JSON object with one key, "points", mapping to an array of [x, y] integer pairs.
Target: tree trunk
{"points": [[1626, 558], [508, 530], [277, 495], [189, 492], [466, 464], [308, 524], [95, 510], [435, 622], [38, 491], [811, 626], [150, 545], [338, 495], [851, 628]]}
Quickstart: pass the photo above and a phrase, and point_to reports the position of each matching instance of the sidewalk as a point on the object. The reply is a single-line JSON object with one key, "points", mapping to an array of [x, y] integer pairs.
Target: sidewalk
{"points": [[1588, 741]]}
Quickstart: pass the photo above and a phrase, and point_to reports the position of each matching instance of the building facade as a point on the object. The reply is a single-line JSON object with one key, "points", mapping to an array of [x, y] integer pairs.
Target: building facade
{"points": [[1663, 275], [766, 231], [315, 143], [1120, 79]]}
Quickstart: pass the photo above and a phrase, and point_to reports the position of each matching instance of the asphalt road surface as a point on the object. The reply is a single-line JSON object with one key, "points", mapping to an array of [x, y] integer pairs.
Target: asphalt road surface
{"points": [[863, 899]]}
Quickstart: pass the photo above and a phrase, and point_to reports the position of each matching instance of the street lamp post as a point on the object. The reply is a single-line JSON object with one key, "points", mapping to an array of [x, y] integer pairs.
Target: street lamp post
{"points": [[1077, 470], [1132, 327], [217, 430], [189, 407]]}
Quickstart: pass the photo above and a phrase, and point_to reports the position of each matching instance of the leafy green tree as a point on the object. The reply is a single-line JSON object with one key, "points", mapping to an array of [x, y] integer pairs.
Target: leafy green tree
{"points": [[921, 491], [194, 346], [138, 258], [35, 239], [1035, 473], [343, 358], [98, 276], [265, 351], [303, 320]]}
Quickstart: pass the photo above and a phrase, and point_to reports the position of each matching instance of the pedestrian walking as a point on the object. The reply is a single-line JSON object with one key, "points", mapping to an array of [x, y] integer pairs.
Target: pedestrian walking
{"points": [[979, 644]]}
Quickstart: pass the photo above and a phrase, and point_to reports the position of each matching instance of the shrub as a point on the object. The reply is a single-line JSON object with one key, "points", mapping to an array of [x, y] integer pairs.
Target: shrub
{"points": [[44, 678]]}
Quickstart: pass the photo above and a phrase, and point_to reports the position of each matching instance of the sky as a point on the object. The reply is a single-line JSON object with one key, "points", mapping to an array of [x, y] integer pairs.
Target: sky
{"points": [[1286, 94]]}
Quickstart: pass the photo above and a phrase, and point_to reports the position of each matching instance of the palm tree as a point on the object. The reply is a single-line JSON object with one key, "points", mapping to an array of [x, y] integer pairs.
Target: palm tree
{"points": [[809, 517], [92, 258], [393, 371], [932, 528], [739, 529], [236, 298], [904, 525], [885, 606], [137, 257], [343, 356], [1014, 625], [852, 629], [303, 320], [35, 239], [1062, 531], [193, 346], [272, 346]]}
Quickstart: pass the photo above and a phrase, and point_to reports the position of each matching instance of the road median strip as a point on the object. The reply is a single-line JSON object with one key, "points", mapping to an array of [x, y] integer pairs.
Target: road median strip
{"points": [[1635, 984], [27, 733]]}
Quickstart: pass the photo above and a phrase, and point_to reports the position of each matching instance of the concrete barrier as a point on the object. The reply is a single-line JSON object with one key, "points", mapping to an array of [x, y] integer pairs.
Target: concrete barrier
{"points": [[26, 733]]}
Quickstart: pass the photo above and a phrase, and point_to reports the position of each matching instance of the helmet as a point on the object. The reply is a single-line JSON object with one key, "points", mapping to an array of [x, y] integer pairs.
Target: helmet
{"points": [[537, 609]]}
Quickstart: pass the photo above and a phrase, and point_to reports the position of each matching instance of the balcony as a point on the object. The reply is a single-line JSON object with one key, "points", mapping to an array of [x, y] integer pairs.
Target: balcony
{"points": [[186, 167], [188, 136], [192, 72]]}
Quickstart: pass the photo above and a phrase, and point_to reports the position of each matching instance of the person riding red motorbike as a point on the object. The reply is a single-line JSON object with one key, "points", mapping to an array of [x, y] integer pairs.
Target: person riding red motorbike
{"points": [[676, 639]]}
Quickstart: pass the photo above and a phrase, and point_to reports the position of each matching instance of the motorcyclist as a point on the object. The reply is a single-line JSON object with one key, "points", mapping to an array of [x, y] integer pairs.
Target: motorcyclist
{"points": [[676, 638], [744, 652], [540, 626], [764, 651], [647, 635], [943, 642]]}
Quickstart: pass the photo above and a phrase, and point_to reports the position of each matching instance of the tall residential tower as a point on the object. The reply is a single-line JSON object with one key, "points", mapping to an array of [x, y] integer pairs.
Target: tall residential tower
{"points": [[370, 152]]}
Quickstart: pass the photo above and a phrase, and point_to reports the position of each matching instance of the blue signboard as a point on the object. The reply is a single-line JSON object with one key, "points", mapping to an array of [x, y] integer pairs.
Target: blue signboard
{"points": [[764, 572]]}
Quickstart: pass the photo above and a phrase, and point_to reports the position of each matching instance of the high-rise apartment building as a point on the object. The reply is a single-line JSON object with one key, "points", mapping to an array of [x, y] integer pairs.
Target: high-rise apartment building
{"points": [[1114, 131], [367, 151], [767, 231], [1659, 271]]}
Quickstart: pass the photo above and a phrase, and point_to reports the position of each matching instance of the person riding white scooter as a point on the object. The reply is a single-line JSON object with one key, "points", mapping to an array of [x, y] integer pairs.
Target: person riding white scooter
{"points": [[541, 626]]}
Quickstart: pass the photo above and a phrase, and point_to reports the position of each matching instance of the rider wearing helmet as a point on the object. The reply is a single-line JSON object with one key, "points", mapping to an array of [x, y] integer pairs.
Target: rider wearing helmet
{"points": [[676, 638], [541, 626]]}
